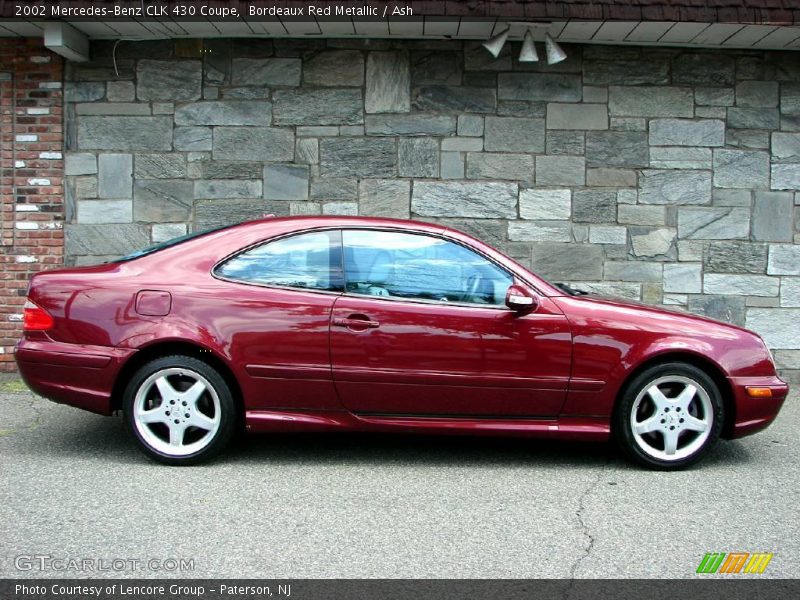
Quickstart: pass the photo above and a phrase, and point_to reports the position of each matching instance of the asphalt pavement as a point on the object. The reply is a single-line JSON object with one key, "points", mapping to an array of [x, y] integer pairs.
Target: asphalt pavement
{"points": [[74, 488]]}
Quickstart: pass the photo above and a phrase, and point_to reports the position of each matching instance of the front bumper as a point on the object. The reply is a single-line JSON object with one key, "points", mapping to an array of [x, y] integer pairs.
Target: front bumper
{"points": [[79, 375], [754, 414]]}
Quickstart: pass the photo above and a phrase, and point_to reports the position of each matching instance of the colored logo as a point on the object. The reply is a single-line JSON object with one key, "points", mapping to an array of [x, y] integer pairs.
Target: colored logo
{"points": [[734, 562]]}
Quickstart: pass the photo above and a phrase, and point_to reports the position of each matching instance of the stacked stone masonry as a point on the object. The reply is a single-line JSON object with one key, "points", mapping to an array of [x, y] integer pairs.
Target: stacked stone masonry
{"points": [[31, 172], [664, 175]]}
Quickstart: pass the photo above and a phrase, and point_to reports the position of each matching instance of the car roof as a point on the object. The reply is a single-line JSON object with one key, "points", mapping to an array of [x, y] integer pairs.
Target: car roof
{"points": [[308, 221], [217, 243], [250, 232]]}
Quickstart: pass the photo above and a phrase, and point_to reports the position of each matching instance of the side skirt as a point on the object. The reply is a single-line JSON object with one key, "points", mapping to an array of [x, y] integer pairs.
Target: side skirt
{"points": [[569, 428]]}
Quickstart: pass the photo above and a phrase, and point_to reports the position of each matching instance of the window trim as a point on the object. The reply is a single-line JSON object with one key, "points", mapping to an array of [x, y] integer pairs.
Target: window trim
{"points": [[335, 246], [429, 301], [340, 228]]}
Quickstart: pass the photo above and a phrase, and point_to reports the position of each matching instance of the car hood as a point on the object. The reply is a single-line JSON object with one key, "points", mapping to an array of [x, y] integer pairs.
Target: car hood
{"points": [[670, 318]]}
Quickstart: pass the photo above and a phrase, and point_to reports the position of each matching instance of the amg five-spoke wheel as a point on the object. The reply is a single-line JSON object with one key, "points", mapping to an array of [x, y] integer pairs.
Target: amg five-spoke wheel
{"points": [[669, 415], [672, 417], [179, 409], [176, 411]]}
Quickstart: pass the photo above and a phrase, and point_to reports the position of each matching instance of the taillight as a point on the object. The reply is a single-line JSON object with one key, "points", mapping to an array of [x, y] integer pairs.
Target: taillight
{"points": [[35, 318]]}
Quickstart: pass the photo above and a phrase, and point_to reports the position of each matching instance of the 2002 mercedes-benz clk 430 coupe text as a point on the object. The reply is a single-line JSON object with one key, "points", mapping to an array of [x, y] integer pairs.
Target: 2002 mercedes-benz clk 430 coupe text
{"points": [[340, 323]]}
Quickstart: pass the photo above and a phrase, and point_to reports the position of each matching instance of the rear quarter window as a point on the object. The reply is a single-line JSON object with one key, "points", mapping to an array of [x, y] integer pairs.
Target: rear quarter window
{"points": [[308, 260]]}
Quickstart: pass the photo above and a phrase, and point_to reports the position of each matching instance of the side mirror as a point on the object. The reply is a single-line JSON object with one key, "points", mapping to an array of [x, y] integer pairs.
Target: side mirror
{"points": [[520, 300]]}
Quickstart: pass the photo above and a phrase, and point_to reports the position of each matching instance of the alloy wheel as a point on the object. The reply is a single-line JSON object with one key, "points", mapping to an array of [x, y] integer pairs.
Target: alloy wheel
{"points": [[176, 411], [671, 417]]}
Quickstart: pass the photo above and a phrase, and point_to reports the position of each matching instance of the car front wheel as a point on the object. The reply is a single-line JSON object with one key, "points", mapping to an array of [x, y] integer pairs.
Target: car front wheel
{"points": [[669, 416], [180, 410]]}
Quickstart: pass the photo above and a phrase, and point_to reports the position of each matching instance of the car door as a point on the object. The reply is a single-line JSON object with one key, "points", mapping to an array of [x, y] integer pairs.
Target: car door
{"points": [[278, 297], [423, 329]]}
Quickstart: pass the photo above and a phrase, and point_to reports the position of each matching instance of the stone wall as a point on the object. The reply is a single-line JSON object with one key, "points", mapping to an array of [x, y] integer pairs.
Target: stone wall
{"points": [[31, 170], [662, 175]]}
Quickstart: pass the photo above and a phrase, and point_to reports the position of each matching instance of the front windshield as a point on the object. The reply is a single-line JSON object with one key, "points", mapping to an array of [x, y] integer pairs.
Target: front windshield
{"points": [[166, 244]]}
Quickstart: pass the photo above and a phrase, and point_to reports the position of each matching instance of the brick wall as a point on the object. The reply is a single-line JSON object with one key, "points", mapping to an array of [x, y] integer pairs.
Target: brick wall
{"points": [[665, 175], [31, 171]]}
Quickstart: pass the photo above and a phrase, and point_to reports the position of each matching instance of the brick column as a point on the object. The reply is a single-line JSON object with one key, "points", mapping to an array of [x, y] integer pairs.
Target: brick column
{"points": [[31, 176]]}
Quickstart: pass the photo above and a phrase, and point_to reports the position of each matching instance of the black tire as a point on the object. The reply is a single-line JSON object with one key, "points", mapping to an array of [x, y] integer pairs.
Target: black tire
{"points": [[643, 447], [216, 396]]}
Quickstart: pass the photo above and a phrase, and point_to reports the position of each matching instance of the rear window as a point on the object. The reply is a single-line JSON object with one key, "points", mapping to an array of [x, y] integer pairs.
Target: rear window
{"points": [[167, 244]]}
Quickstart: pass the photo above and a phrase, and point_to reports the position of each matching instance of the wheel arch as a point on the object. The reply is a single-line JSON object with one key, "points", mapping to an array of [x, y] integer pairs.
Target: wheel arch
{"points": [[168, 348], [703, 363]]}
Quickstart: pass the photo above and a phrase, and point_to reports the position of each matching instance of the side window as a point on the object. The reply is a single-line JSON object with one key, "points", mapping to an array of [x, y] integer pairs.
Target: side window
{"points": [[404, 265], [308, 260]]}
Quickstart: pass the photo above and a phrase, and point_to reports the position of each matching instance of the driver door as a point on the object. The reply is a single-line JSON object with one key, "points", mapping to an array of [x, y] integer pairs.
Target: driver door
{"points": [[423, 329]]}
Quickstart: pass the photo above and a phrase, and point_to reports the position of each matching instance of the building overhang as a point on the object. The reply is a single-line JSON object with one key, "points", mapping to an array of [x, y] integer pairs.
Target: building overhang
{"points": [[756, 24]]}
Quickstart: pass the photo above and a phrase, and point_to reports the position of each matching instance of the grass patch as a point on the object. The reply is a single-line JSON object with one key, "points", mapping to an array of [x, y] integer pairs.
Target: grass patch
{"points": [[12, 386]]}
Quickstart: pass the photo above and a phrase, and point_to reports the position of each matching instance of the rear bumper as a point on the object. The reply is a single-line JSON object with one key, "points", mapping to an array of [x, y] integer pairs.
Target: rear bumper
{"points": [[78, 375], [754, 414]]}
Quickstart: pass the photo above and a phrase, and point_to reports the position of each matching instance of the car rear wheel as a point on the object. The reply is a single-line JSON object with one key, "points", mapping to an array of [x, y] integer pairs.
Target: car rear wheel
{"points": [[669, 416], [180, 410]]}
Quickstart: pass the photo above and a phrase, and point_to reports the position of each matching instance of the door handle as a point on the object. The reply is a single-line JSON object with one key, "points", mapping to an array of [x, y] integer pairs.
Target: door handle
{"points": [[356, 322]]}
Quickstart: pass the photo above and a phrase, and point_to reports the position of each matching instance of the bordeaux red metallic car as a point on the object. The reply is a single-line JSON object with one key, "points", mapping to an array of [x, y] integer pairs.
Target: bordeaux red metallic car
{"points": [[315, 323]]}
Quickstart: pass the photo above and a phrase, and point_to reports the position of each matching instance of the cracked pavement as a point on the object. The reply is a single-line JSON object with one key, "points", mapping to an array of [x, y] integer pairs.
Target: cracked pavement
{"points": [[73, 485], [579, 513]]}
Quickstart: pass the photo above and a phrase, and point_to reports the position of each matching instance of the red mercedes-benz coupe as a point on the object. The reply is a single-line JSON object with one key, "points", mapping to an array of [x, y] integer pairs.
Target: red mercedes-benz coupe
{"points": [[339, 323]]}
